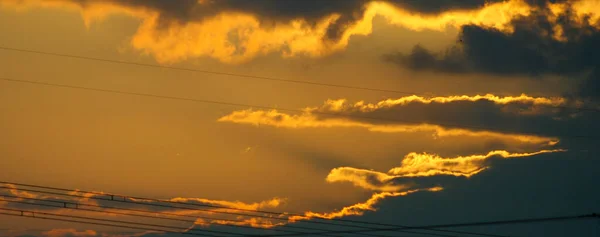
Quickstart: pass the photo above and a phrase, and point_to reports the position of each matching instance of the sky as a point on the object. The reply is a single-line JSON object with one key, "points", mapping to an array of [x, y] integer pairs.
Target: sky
{"points": [[394, 111]]}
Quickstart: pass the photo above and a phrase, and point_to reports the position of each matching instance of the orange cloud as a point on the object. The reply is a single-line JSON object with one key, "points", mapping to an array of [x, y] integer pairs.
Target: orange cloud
{"points": [[88, 233], [587, 11], [366, 179], [273, 203], [317, 117], [212, 36], [424, 164], [421, 165], [253, 222], [342, 104], [360, 208], [309, 120], [204, 215], [70, 232]]}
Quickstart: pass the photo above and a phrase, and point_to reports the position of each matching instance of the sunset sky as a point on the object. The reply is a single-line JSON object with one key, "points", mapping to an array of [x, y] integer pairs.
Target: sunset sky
{"points": [[394, 111]]}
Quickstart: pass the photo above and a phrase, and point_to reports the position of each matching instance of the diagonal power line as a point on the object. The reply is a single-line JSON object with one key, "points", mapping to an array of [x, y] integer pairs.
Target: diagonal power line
{"points": [[32, 214], [66, 205], [204, 71], [503, 222], [76, 206], [449, 125], [156, 215], [252, 77], [123, 199]]}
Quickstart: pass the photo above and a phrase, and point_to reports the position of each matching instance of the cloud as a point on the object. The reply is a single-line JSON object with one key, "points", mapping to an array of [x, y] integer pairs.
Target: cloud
{"points": [[204, 215], [342, 105], [367, 179], [71, 233], [89, 233], [561, 39], [422, 165], [235, 31], [273, 203], [203, 223], [518, 118], [415, 165], [360, 208]]}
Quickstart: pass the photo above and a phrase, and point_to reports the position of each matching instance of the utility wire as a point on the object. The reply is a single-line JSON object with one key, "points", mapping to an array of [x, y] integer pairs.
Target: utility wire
{"points": [[237, 75], [449, 125], [33, 215], [503, 222], [133, 223], [37, 213], [204, 71], [79, 207], [194, 209], [174, 219], [215, 206]]}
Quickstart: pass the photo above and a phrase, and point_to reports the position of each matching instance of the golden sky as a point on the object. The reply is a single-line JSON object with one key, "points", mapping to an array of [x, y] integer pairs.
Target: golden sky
{"points": [[466, 90]]}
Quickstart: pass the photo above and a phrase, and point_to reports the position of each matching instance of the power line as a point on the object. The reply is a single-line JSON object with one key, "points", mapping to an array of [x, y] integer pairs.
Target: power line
{"points": [[220, 207], [239, 75], [174, 219], [43, 230], [503, 222], [78, 206], [449, 125], [196, 209], [99, 224], [132, 223], [23, 214], [204, 71], [36, 214]]}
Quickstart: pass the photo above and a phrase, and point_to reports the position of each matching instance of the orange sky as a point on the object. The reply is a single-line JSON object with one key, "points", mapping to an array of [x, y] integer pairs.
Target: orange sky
{"points": [[303, 160]]}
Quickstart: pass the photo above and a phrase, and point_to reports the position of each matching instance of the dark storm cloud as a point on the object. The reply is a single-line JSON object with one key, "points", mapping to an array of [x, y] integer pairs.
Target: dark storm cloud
{"points": [[531, 50], [542, 122], [484, 115], [541, 186], [278, 9], [271, 11]]}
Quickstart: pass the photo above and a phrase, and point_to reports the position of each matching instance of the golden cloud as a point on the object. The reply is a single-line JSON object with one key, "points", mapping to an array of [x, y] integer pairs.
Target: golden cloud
{"points": [[587, 11], [70, 232], [317, 117], [204, 216], [415, 164], [342, 104], [366, 179], [236, 37], [88, 233], [360, 208], [422, 165], [273, 203], [309, 120]]}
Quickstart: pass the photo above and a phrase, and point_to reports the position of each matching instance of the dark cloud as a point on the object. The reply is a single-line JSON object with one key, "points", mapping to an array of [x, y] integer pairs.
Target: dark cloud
{"points": [[530, 50], [590, 88], [277, 9], [539, 186], [271, 11], [516, 118], [437, 6]]}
